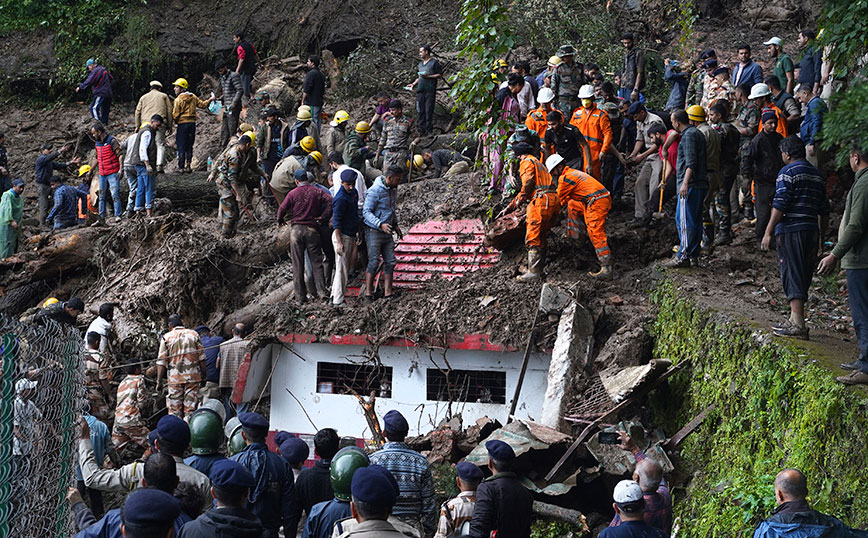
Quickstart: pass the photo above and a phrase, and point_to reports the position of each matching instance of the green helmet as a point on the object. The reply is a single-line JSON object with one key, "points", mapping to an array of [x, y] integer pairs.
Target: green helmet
{"points": [[344, 464], [206, 431], [236, 442]]}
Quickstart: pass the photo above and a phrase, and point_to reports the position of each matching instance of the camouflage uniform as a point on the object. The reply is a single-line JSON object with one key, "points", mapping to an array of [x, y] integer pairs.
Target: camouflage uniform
{"points": [[454, 513], [695, 88], [94, 374], [182, 354], [233, 170], [128, 419], [396, 141], [568, 88], [748, 116]]}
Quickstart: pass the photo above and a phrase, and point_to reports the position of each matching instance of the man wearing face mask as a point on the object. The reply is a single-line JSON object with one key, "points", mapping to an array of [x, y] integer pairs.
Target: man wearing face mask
{"points": [[594, 125]]}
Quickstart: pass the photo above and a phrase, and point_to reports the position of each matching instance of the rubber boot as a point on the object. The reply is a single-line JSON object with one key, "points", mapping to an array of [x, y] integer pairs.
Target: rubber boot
{"points": [[605, 273], [534, 266], [707, 245], [749, 214]]}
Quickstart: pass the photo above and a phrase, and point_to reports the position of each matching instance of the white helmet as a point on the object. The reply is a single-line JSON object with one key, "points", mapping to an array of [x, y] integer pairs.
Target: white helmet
{"points": [[546, 95], [759, 90], [586, 92], [553, 160]]}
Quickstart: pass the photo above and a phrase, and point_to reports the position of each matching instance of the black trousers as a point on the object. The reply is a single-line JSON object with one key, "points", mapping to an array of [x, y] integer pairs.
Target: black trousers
{"points": [[425, 111]]}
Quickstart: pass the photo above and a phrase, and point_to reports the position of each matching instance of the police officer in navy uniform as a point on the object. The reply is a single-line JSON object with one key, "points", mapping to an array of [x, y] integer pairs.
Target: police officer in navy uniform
{"points": [[149, 513], [503, 504], [271, 499], [230, 484], [374, 492]]}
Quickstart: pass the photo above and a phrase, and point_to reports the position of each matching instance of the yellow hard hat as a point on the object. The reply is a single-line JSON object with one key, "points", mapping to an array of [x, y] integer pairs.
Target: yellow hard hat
{"points": [[308, 144], [418, 161], [555, 61], [363, 127], [182, 82], [83, 169], [500, 63], [303, 113], [696, 113], [50, 301], [341, 116], [251, 135], [244, 127], [317, 156]]}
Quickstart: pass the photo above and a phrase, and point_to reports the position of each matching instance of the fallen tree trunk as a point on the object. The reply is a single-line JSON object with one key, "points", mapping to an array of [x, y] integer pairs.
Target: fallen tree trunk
{"points": [[186, 191], [63, 251], [247, 315], [573, 517]]}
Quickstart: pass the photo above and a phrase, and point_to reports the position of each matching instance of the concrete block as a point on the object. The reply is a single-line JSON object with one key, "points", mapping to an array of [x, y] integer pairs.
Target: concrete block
{"points": [[571, 355], [552, 299]]}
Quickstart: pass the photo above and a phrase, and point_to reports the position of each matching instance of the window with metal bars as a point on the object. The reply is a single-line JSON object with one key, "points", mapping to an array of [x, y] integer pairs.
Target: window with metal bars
{"points": [[345, 378], [466, 386]]}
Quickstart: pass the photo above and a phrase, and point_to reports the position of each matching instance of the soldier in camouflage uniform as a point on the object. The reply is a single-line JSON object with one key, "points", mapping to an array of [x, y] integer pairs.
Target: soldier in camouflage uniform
{"points": [[96, 378], [747, 123], [233, 170], [182, 354], [571, 75], [396, 136], [129, 426]]}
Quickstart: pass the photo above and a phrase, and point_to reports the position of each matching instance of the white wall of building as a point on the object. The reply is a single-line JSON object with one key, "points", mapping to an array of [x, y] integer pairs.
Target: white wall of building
{"points": [[305, 410]]}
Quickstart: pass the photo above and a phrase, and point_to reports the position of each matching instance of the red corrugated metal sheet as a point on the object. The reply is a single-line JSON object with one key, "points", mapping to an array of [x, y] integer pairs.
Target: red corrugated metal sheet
{"points": [[444, 249]]}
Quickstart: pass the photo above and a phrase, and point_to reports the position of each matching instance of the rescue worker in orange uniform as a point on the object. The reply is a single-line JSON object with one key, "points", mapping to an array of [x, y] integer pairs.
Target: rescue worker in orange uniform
{"points": [[594, 125], [583, 195], [536, 118], [539, 190], [761, 95]]}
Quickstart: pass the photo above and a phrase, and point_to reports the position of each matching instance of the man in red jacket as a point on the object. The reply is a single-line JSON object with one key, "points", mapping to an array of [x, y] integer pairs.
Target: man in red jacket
{"points": [[108, 151]]}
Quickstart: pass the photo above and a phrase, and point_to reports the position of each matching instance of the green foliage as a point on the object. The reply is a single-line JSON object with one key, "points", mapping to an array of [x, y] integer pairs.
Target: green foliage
{"points": [[552, 529], [547, 24], [361, 71], [483, 35], [686, 16], [846, 123], [138, 46], [845, 28], [773, 410], [444, 482]]}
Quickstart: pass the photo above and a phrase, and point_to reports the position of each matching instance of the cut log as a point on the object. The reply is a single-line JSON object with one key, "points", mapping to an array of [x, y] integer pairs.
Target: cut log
{"points": [[64, 251], [573, 517], [247, 315]]}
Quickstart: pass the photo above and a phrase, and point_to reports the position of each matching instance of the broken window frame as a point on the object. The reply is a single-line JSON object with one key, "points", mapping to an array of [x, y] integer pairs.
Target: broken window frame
{"points": [[467, 386], [350, 378]]}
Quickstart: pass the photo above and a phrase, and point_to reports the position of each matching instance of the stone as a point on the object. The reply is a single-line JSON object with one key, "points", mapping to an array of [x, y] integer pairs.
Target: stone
{"points": [[629, 346]]}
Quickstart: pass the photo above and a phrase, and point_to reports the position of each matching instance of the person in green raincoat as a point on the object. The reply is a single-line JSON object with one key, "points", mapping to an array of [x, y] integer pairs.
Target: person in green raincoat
{"points": [[11, 205]]}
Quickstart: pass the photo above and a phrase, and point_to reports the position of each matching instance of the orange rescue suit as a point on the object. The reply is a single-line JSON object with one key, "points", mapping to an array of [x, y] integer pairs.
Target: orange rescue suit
{"points": [[536, 120], [783, 128], [540, 189], [585, 196], [595, 127]]}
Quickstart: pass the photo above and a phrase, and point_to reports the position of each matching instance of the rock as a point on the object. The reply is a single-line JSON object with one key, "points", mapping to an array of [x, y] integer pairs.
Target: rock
{"points": [[629, 346]]}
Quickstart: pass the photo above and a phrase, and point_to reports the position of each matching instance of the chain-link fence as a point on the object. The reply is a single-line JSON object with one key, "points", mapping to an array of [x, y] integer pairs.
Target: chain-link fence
{"points": [[40, 393]]}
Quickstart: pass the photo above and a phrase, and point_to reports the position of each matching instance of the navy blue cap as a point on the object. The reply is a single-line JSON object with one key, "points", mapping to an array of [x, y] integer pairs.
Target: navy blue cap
{"points": [[230, 476], [708, 53], [635, 108], [348, 175], [174, 430], [394, 422], [299, 175], [281, 437], [710, 64], [389, 476], [202, 328], [720, 70], [500, 451], [253, 421], [151, 438], [17, 182], [294, 450], [371, 485], [769, 114], [149, 507], [469, 472]]}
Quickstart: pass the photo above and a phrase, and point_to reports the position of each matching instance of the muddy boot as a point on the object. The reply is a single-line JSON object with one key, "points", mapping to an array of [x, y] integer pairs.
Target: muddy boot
{"points": [[749, 215], [707, 244], [605, 273], [534, 266]]}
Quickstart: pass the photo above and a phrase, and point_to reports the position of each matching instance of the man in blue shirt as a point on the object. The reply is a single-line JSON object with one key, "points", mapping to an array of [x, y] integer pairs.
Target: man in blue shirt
{"points": [[692, 183], [272, 499], [65, 211], [810, 66], [676, 78], [345, 238], [380, 222], [811, 124], [800, 214], [629, 505], [746, 70], [211, 343]]}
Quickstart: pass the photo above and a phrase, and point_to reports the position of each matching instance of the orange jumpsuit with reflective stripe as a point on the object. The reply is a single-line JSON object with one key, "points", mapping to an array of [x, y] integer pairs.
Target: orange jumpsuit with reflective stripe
{"points": [[595, 127], [540, 188], [536, 120], [585, 196], [783, 128]]}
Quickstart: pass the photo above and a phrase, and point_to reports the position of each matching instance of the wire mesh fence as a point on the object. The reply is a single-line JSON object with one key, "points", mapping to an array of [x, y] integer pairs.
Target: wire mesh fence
{"points": [[40, 401]]}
